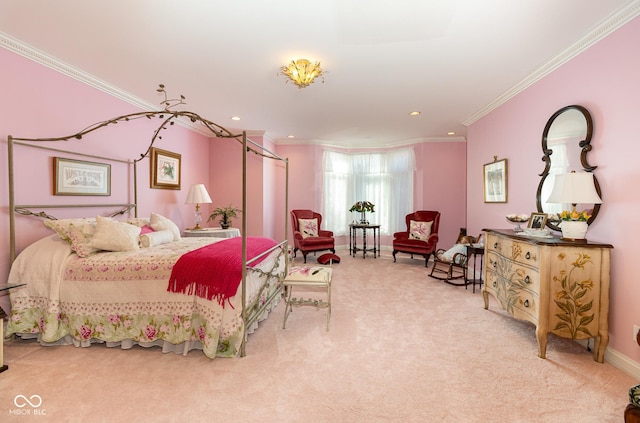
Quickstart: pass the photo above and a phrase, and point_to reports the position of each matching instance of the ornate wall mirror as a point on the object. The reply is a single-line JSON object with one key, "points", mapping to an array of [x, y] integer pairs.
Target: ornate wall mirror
{"points": [[566, 140]]}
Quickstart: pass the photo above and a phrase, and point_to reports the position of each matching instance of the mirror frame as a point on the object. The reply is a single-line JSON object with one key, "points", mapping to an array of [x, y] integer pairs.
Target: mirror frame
{"points": [[585, 147]]}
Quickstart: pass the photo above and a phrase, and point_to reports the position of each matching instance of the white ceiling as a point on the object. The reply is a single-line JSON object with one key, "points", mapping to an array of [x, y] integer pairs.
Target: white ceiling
{"points": [[452, 60]]}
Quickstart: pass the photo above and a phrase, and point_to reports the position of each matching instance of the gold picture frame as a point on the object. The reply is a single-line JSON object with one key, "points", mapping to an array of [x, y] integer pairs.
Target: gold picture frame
{"points": [[495, 181], [537, 220], [79, 177], [165, 169]]}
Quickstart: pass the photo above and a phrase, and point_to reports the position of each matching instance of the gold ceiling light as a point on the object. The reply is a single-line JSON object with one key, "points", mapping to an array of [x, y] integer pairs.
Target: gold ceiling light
{"points": [[302, 72]]}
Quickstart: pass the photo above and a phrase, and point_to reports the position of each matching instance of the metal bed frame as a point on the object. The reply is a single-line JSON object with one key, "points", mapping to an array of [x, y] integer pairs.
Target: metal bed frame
{"points": [[250, 312]]}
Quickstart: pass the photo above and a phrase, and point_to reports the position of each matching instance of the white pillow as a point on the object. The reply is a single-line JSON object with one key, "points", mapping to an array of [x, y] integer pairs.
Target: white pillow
{"points": [[451, 252], [111, 235], [161, 223], [156, 238], [308, 227], [419, 230]]}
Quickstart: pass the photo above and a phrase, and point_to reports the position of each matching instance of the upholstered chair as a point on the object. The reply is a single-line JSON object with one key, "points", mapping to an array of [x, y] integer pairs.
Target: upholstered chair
{"points": [[421, 236], [307, 235]]}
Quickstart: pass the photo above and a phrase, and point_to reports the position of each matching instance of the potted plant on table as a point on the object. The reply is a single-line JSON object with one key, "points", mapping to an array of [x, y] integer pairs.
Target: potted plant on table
{"points": [[363, 207], [226, 214]]}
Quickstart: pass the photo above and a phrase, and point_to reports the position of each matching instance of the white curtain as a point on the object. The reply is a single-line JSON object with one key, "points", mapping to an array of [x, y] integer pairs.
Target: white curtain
{"points": [[385, 179]]}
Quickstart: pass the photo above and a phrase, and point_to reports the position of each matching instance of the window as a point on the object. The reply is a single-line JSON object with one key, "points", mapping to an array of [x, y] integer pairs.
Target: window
{"points": [[385, 179]]}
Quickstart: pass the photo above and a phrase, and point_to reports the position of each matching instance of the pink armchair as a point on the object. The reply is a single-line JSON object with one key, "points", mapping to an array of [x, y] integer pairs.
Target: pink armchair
{"points": [[307, 235], [422, 239]]}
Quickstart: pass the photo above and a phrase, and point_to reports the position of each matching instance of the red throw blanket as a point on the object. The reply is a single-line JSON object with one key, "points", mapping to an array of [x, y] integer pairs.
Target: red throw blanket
{"points": [[215, 270]]}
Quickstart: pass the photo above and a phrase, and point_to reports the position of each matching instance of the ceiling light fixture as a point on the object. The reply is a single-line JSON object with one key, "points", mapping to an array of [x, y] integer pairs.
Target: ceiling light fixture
{"points": [[302, 72], [416, 113]]}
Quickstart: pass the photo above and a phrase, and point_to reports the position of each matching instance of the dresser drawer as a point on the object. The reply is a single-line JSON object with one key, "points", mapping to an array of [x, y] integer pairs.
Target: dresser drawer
{"points": [[521, 252], [516, 287]]}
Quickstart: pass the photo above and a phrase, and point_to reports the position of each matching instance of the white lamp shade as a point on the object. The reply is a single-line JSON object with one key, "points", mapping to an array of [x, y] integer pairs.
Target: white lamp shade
{"points": [[574, 188], [198, 195]]}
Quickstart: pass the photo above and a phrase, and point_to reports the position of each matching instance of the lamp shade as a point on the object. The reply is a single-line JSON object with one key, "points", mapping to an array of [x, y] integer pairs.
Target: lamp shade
{"points": [[198, 195], [574, 188]]}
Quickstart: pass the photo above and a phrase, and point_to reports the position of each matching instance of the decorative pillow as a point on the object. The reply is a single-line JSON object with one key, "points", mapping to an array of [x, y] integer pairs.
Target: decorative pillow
{"points": [[138, 221], [308, 227], [146, 229], [112, 235], [80, 237], [419, 230], [152, 239], [161, 223], [451, 252], [61, 226]]}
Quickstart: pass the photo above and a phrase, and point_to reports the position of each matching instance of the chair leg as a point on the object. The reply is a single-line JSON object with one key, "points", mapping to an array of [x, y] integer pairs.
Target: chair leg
{"points": [[304, 255], [394, 255]]}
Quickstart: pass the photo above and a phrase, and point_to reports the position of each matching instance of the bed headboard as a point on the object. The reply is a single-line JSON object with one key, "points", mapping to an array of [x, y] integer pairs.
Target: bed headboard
{"points": [[167, 117]]}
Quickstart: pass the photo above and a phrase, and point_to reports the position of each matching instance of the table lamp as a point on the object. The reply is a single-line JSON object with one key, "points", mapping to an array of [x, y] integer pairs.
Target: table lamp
{"points": [[198, 195], [574, 188]]}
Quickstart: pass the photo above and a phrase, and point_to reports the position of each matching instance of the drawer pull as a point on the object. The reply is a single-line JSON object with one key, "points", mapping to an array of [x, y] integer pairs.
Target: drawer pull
{"points": [[526, 303], [495, 245], [527, 256], [527, 280]]}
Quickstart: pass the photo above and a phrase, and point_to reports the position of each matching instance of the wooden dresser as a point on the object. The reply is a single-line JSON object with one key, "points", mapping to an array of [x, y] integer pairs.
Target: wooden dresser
{"points": [[561, 287]]}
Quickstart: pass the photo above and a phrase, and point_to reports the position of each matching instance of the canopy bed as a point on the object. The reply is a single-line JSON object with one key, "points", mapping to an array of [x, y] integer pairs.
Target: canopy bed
{"points": [[126, 280]]}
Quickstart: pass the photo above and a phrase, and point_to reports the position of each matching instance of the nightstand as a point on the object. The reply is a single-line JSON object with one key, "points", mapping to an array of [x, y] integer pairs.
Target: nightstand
{"points": [[212, 232]]}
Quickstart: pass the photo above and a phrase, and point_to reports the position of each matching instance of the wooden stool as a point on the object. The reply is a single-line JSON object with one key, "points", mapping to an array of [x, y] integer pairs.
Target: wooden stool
{"points": [[307, 277]]}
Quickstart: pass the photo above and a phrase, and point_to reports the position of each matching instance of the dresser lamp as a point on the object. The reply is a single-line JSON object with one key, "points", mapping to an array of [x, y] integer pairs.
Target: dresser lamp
{"points": [[574, 188], [198, 195]]}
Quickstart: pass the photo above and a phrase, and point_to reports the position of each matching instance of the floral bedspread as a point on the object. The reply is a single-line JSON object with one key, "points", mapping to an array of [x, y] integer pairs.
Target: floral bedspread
{"points": [[123, 298]]}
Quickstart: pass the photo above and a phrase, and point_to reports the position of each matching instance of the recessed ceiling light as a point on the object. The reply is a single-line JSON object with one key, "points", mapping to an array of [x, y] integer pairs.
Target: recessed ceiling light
{"points": [[414, 113], [451, 133], [291, 136], [235, 117]]}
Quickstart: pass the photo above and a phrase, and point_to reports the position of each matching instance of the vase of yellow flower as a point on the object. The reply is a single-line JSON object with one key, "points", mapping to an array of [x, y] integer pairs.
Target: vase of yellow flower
{"points": [[574, 225]]}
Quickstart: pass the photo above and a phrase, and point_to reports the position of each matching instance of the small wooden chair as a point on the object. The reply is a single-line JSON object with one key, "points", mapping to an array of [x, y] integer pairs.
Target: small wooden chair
{"points": [[451, 265], [317, 278]]}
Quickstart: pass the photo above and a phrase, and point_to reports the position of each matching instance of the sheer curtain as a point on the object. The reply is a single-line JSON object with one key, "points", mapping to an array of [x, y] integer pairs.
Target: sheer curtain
{"points": [[385, 179], [559, 164]]}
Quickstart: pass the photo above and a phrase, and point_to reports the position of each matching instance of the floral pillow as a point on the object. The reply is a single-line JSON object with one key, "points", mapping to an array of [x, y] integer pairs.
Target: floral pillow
{"points": [[80, 237], [61, 226], [419, 230], [308, 227]]}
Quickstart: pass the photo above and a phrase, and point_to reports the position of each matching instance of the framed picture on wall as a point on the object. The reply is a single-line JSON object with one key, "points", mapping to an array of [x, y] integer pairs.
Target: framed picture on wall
{"points": [[495, 181], [165, 169], [78, 177]]}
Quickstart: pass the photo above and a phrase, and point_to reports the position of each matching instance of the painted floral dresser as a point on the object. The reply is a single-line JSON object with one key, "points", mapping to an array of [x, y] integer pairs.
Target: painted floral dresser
{"points": [[561, 287]]}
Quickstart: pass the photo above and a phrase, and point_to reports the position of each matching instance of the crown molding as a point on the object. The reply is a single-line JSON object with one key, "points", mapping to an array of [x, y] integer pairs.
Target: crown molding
{"points": [[615, 21], [64, 68]]}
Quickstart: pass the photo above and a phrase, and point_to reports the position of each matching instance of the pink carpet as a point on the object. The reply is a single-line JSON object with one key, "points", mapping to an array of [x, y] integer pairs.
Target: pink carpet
{"points": [[402, 347]]}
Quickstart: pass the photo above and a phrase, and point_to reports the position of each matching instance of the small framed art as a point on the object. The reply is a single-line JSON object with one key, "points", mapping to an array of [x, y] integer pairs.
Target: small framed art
{"points": [[537, 220], [78, 177], [495, 181], [165, 169]]}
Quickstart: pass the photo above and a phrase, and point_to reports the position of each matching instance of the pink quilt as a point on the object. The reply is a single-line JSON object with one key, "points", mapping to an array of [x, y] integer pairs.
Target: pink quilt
{"points": [[215, 271]]}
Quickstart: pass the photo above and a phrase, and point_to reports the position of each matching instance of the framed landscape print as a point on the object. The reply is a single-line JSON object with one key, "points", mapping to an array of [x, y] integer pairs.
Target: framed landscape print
{"points": [[165, 169], [495, 181], [78, 177]]}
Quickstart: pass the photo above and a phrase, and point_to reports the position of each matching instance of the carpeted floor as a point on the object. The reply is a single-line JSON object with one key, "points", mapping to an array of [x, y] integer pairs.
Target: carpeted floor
{"points": [[402, 347]]}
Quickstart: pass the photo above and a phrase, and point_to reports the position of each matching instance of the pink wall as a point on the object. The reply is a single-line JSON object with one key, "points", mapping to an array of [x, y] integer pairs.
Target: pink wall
{"points": [[39, 102], [439, 183], [604, 79]]}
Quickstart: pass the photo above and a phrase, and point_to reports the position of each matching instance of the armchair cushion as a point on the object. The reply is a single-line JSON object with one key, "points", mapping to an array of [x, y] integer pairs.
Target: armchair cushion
{"points": [[308, 227], [420, 230]]}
